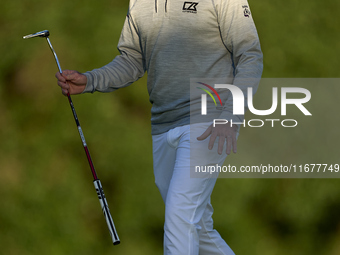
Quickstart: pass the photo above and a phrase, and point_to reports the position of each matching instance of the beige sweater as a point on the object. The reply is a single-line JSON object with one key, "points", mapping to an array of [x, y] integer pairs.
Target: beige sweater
{"points": [[175, 41]]}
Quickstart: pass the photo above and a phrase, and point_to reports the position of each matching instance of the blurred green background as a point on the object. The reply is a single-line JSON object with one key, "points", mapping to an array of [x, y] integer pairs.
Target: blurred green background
{"points": [[48, 204]]}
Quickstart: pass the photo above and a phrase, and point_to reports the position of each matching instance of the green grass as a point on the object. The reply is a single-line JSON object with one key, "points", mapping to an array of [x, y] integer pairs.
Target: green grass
{"points": [[48, 204]]}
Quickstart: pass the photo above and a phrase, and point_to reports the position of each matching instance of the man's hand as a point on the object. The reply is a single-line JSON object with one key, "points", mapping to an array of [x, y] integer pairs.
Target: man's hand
{"points": [[71, 82], [223, 132]]}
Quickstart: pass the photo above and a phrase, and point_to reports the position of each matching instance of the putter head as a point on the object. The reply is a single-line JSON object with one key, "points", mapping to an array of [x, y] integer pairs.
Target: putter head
{"points": [[44, 33]]}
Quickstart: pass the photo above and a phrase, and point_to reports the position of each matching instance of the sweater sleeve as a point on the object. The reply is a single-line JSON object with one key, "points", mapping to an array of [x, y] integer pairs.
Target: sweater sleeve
{"points": [[125, 68], [240, 37]]}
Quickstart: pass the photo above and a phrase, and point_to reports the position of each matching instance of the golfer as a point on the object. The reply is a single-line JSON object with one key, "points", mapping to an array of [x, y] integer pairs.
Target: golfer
{"points": [[175, 41]]}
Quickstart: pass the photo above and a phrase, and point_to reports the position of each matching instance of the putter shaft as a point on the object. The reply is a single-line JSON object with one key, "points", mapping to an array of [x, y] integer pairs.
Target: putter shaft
{"points": [[97, 184], [55, 54]]}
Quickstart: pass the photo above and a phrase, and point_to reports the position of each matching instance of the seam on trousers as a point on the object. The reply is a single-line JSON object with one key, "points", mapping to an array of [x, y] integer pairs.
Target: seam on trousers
{"points": [[191, 220], [218, 247]]}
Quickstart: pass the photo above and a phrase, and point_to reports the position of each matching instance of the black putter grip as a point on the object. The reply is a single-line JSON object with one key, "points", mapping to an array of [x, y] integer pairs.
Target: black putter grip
{"points": [[106, 211]]}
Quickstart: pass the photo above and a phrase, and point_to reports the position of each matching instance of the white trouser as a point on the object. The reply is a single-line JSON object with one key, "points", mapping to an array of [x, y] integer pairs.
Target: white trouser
{"points": [[188, 227]]}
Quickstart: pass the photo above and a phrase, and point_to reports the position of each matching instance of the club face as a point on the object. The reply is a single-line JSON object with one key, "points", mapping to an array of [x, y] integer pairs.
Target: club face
{"points": [[44, 33]]}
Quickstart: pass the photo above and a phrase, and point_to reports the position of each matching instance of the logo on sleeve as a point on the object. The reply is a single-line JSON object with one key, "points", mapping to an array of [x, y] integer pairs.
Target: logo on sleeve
{"points": [[190, 7], [246, 11]]}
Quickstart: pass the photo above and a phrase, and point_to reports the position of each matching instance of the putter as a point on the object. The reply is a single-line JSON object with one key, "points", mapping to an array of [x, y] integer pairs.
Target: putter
{"points": [[96, 182]]}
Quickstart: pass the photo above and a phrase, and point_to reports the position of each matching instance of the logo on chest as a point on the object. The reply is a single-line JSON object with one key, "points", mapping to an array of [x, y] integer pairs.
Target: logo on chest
{"points": [[190, 7]]}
